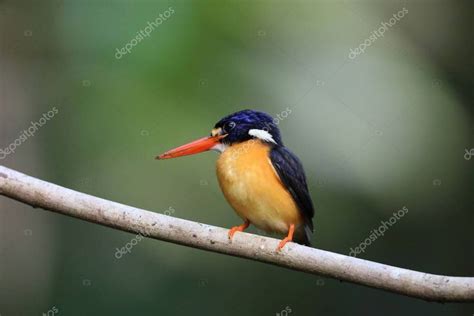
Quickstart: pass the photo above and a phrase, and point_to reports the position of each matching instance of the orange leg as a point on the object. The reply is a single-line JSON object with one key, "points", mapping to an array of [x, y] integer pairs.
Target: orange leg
{"points": [[287, 238], [239, 228]]}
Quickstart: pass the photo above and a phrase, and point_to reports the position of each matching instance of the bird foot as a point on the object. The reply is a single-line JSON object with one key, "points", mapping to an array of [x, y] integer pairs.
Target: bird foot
{"points": [[287, 238], [239, 228], [283, 243]]}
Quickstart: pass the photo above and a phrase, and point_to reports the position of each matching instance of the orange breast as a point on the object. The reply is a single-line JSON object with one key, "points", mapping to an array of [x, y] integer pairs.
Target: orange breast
{"points": [[253, 189]]}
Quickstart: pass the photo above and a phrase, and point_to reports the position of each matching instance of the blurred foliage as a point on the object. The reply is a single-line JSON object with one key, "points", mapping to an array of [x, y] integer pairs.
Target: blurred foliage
{"points": [[385, 130]]}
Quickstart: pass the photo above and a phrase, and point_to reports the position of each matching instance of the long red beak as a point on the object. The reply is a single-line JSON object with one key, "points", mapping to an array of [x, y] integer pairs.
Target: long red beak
{"points": [[195, 147]]}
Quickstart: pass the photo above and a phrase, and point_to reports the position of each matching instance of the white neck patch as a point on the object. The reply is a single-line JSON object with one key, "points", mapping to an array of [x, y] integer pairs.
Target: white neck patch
{"points": [[262, 134]]}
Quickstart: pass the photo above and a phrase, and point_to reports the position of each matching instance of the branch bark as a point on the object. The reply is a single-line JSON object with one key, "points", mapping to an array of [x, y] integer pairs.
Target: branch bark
{"points": [[38, 193]]}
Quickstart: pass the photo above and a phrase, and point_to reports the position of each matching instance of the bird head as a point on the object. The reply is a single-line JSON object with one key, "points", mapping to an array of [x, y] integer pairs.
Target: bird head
{"points": [[234, 128]]}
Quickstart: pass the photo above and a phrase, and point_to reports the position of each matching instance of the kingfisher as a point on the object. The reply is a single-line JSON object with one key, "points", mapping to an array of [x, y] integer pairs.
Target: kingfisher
{"points": [[261, 179]]}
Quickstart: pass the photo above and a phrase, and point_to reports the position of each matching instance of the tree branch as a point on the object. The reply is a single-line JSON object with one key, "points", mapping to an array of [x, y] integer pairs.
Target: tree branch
{"points": [[52, 197]]}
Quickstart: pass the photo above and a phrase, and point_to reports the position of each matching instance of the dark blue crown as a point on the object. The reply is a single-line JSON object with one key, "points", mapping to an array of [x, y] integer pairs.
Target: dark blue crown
{"points": [[238, 125]]}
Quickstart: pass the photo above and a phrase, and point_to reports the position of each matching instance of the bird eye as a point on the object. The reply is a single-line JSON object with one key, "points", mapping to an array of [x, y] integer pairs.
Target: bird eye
{"points": [[229, 126]]}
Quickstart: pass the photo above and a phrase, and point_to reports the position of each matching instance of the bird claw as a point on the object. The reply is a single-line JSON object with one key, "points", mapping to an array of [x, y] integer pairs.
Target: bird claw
{"points": [[283, 243], [288, 238], [239, 228], [233, 230]]}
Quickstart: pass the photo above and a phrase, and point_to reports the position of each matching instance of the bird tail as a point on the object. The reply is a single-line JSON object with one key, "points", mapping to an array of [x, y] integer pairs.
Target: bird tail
{"points": [[303, 235]]}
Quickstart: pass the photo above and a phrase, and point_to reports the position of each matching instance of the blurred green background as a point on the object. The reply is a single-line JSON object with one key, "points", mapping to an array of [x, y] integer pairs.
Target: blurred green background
{"points": [[384, 130]]}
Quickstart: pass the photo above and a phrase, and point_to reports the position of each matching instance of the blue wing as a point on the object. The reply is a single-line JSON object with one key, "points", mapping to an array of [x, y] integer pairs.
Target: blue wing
{"points": [[290, 170]]}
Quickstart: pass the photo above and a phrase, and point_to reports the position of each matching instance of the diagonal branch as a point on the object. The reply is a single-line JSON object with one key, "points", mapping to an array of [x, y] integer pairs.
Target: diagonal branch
{"points": [[52, 197]]}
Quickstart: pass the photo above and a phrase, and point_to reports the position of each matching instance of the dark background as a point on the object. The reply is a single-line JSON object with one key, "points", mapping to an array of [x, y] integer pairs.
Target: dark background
{"points": [[384, 130]]}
